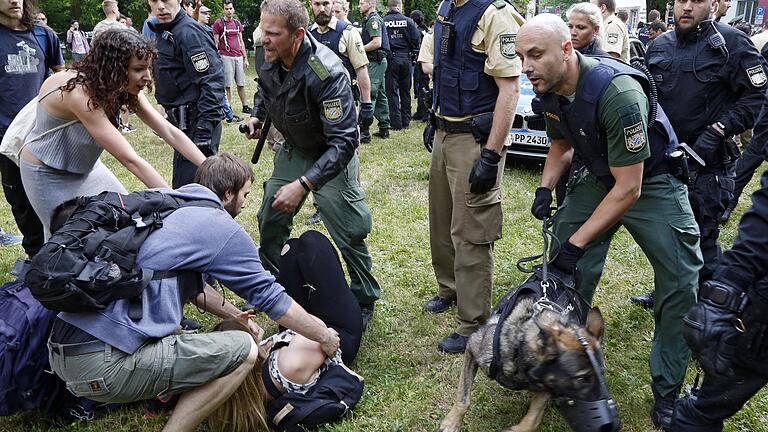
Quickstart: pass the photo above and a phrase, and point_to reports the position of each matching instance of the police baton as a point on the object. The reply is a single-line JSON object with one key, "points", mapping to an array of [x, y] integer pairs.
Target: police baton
{"points": [[262, 138]]}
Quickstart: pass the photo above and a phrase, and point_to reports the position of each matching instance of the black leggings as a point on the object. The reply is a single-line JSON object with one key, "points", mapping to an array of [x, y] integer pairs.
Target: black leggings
{"points": [[311, 273]]}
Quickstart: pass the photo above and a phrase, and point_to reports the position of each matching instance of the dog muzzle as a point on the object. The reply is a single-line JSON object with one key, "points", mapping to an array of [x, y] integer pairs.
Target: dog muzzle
{"points": [[600, 415], [589, 416]]}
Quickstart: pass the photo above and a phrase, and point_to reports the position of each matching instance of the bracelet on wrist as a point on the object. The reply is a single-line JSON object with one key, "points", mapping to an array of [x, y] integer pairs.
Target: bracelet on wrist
{"points": [[304, 184]]}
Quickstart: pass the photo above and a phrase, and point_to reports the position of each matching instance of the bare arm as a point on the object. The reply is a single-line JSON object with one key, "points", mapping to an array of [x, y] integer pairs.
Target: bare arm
{"points": [[364, 82], [311, 327], [427, 68], [509, 92], [245, 51], [168, 132], [98, 125], [558, 160], [373, 45], [621, 197], [212, 301]]}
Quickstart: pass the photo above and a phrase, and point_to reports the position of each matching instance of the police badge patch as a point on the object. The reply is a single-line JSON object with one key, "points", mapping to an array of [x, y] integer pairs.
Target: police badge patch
{"points": [[613, 38], [756, 75], [507, 46], [332, 109], [634, 137], [200, 61]]}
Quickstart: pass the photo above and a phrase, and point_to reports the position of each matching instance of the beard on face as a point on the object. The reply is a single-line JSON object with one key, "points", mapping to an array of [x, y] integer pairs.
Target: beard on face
{"points": [[322, 19]]}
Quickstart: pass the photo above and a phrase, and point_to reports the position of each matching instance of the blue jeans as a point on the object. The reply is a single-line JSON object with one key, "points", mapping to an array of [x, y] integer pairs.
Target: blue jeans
{"points": [[228, 113]]}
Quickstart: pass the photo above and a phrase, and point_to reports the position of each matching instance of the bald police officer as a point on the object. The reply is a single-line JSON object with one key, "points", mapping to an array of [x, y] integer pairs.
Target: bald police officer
{"points": [[404, 42], [476, 76], [306, 92], [597, 109]]}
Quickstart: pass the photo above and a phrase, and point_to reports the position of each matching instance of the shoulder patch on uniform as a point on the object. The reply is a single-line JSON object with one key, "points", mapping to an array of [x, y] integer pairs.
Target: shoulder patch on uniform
{"points": [[375, 25], [634, 137], [200, 61], [756, 75], [333, 109], [613, 38], [507, 45], [359, 47], [319, 68]]}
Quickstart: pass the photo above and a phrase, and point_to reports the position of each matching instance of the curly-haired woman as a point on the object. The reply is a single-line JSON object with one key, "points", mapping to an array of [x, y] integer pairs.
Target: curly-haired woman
{"points": [[77, 120]]}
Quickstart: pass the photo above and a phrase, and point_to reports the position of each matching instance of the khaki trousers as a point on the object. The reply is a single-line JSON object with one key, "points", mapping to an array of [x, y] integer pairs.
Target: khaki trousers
{"points": [[462, 228]]}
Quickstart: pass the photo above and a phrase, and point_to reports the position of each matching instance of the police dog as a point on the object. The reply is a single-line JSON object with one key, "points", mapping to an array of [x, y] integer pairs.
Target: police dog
{"points": [[544, 351]]}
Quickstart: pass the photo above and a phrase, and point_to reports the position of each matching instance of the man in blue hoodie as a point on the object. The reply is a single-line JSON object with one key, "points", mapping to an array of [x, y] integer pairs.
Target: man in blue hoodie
{"points": [[109, 357]]}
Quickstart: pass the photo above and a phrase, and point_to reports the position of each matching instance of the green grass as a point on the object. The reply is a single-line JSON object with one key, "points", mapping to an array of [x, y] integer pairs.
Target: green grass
{"points": [[409, 385]]}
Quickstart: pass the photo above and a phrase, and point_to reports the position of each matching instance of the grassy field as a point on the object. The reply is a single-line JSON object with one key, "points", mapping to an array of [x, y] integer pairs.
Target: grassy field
{"points": [[409, 385]]}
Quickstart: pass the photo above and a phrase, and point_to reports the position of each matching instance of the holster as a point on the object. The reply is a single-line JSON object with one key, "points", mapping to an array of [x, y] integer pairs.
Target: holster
{"points": [[184, 117], [355, 91], [376, 56], [481, 127], [731, 151]]}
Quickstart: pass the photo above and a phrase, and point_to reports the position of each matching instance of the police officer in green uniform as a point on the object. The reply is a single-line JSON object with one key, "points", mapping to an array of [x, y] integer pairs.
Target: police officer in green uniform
{"points": [[376, 45], [304, 89], [598, 109]]}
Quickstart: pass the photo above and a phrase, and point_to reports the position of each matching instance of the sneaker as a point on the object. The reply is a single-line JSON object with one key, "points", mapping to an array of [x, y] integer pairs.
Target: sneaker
{"points": [[189, 325], [382, 133], [438, 304], [246, 109], [663, 409], [366, 313], [8, 239], [453, 344], [314, 219], [127, 128], [160, 406], [234, 119], [644, 300]]}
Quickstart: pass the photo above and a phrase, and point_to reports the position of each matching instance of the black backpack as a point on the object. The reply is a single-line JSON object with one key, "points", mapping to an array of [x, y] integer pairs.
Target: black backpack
{"points": [[337, 391], [91, 260]]}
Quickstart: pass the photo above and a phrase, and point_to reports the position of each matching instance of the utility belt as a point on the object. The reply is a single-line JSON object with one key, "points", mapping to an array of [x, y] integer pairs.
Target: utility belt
{"points": [[355, 90], [183, 117], [405, 54], [376, 55], [478, 125]]}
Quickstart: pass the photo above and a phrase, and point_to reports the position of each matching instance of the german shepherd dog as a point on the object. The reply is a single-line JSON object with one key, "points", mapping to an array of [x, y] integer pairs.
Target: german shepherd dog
{"points": [[544, 349]]}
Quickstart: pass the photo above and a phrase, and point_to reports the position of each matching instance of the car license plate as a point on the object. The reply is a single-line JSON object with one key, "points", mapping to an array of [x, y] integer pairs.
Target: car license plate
{"points": [[538, 138]]}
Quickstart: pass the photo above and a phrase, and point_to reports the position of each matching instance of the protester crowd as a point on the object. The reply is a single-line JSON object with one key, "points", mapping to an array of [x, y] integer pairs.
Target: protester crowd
{"points": [[648, 144]]}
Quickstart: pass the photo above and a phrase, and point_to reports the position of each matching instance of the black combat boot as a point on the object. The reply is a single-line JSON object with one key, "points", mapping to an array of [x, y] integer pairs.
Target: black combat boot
{"points": [[663, 408]]}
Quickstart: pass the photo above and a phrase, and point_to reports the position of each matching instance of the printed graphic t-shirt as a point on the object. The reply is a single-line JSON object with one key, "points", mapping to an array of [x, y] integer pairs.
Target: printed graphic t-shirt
{"points": [[22, 70]]}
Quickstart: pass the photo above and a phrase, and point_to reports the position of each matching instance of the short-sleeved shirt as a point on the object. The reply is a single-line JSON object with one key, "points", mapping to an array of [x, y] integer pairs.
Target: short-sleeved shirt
{"points": [[349, 38], [623, 109], [615, 39], [229, 45], [427, 50], [374, 25], [22, 70]]}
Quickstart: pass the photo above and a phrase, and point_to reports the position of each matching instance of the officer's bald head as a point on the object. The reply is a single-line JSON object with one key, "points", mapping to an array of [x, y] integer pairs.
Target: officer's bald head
{"points": [[546, 26], [544, 45]]}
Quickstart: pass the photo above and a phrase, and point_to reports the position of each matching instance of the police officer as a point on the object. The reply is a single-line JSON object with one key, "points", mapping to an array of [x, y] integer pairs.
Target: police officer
{"points": [[404, 41], [376, 45], [189, 79], [476, 77], [305, 90], [711, 83], [342, 38], [728, 328], [598, 109]]}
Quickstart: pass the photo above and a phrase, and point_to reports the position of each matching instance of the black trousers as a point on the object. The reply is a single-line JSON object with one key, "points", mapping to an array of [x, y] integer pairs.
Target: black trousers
{"points": [[312, 275], [751, 159], [398, 84], [718, 399], [710, 196], [183, 169], [23, 213]]}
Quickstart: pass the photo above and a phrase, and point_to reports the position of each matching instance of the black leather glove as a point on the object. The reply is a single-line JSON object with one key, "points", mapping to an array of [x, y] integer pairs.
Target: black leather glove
{"points": [[709, 142], [536, 105], [567, 257], [365, 118], [483, 175], [203, 141], [542, 204], [710, 327]]}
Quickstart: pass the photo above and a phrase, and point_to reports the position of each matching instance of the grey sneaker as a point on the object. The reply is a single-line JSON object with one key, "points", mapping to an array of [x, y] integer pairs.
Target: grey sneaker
{"points": [[8, 239]]}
